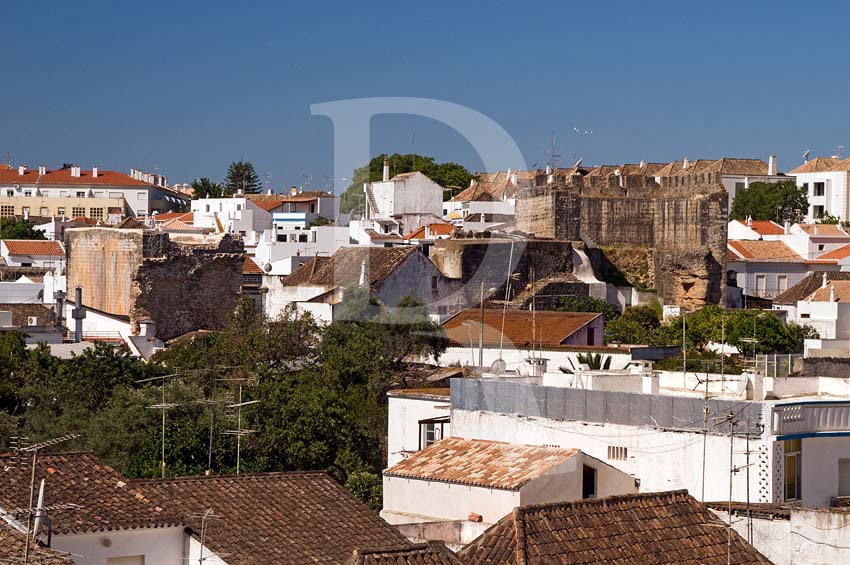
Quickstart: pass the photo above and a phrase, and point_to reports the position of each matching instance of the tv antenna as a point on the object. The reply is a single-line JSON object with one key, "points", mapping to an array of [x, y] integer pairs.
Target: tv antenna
{"points": [[840, 150], [268, 181], [163, 407], [553, 153], [307, 180], [240, 431], [806, 155]]}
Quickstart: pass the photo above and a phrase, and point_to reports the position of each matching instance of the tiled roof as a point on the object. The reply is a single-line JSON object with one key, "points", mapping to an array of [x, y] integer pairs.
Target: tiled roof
{"points": [[376, 236], [12, 550], [430, 553], [249, 267], [764, 251], [268, 205], [187, 217], [764, 227], [300, 517], [103, 500], [824, 230], [34, 248], [836, 254], [835, 291], [436, 230], [304, 196], [178, 225], [820, 165], [766, 510], [63, 177], [21, 313], [552, 328], [343, 267], [130, 223], [477, 462], [807, 286], [724, 166], [430, 393], [662, 528]]}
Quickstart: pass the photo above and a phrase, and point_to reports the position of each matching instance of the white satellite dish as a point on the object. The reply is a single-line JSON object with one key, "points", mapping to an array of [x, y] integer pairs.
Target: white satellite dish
{"points": [[498, 366]]}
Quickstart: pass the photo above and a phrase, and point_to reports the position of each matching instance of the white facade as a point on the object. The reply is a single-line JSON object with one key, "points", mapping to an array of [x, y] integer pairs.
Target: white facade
{"points": [[828, 192], [236, 215], [410, 193], [156, 545], [33, 260], [411, 422], [276, 244]]}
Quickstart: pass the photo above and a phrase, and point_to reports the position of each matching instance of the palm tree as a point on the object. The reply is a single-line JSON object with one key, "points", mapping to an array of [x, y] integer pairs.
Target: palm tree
{"points": [[594, 361], [205, 188]]}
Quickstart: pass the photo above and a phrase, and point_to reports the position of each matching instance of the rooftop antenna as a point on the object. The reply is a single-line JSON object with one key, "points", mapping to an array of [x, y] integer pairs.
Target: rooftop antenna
{"points": [[553, 153], [307, 180], [163, 407], [239, 431], [840, 150], [268, 181], [328, 179], [156, 168], [7, 158]]}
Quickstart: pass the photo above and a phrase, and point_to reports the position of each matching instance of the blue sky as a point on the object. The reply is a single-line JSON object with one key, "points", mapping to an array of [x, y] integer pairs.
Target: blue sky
{"points": [[193, 86]]}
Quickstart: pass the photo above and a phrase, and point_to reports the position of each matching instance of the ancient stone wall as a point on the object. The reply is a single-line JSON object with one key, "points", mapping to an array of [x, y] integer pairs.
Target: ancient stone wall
{"points": [[180, 285], [681, 221]]}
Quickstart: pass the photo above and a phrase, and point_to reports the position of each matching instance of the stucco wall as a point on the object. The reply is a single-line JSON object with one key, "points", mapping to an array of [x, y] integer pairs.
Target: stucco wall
{"points": [[158, 545], [444, 501], [403, 415]]}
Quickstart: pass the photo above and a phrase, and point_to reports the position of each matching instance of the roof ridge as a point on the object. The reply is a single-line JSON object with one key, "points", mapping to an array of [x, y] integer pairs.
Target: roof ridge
{"points": [[605, 501], [244, 476]]}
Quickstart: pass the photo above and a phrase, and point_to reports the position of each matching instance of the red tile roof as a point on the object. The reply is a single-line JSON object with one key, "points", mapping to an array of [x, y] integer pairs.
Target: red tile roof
{"points": [[430, 553], [34, 248], [835, 291], [824, 230], [436, 230], [249, 267], [343, 267], [104, 501], [764, 227], [552, 328], [836, 254], [186, 217], [293, 518], [663, 528], [63, 177], [477, 462], [268, 205], [12, 550], [820, 165], [764, 251]]}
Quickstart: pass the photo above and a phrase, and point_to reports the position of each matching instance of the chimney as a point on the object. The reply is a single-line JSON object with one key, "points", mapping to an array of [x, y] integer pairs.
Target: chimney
{"points": [[685, 164], [513, 178], [269, 192], [293, 191], [42, 170], [548, 169], [94, 172], [75, 171], [642, 163], [787, 227], [771, 165], [823, 284], [364, 275], [59, 296], [386, 175], [79, 314], [22, 169], [749, 221], [832, 293]]}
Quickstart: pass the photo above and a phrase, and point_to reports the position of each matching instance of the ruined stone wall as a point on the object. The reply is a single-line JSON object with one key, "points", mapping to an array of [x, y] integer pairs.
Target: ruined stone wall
{"points": [[181, 287], [681, 221], [103, 262]]}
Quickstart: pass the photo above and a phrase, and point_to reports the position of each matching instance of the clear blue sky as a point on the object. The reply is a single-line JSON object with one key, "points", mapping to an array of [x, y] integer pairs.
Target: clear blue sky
{"points": [[196, 85]]}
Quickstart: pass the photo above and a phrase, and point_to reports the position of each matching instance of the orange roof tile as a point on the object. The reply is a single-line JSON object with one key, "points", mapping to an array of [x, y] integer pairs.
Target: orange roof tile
{"points": [[477, 462], [764, 227], [824, 230], [761, 250], [838, 290], [187, 217], [63, 177], [836, 254], [436, 230], [552, 328], [249, 267], [268, 205], [34, 247], [819, 165]]}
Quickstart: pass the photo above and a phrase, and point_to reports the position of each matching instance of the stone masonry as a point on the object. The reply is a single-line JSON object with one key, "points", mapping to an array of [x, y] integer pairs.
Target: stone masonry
{"points": [[180, 282]]}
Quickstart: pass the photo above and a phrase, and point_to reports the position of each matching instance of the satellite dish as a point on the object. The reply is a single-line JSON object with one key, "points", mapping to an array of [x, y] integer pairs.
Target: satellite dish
{"points": [[578, 163], [498, 367], [267, 267], [806, 154]]}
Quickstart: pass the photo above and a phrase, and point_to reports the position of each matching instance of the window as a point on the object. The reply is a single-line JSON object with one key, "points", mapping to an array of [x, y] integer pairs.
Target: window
{"points": [[312, 208], [44, 212], [81, 194], [819, 188], [739, 186], [141, 196], [302, 238], [7, 210], [817, 211], [618, 453], [27, 193], [820, 247], [60, 211], [588, 482], [281, 238], [761, 285], [434, 281], [781, 283], [806, 187], [116, 195], [25, 211], [431, 430], [238, 207], [10, 192], [793, 468], [844, 477], [96, 213], [207, 207], [78, 211]]}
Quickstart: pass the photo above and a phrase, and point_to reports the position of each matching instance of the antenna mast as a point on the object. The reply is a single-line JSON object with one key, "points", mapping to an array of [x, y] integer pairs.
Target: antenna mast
{"points": [[554, 156]]}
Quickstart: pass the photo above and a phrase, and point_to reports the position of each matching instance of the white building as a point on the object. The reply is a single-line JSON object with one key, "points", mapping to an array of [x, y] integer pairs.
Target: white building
{"points": [[33, 253], [827, 184], [235, 215], [458, 479], [416, 418]]}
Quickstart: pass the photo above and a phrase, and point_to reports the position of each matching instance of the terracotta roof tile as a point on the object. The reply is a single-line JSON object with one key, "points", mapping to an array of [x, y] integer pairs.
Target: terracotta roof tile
{"points": [[764, 251], [268, 205], [477, 462], [63, 177], [764, 227], [178, 225], [343, 267], [835, 291], [104, 500], [553, 328], [664, 528], [436, 230], [249, 267], [22, 312], [430, 553], [807, 286], [820, 165], [130, 223], [12, 550], [34, 248], [187, 217], [836, 254], [724, 166], [300, 517], [824, 230]]}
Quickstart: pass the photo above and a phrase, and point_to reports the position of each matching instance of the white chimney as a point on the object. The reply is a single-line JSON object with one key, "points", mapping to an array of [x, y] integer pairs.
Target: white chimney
{"points": [[513, 178], [94, 172], [685, 164], [386, 175], [787, 227], [749, 221], [269, 192], [548, 169], [75, 171], [823, 284], [293, 191], [832, 293], [22, 169], [771, 165], [42, 170], [364, 276]]}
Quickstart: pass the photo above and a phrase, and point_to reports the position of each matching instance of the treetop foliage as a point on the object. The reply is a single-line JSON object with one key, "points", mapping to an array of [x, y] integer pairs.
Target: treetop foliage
{"points": [[10, 228], [771, 201]]}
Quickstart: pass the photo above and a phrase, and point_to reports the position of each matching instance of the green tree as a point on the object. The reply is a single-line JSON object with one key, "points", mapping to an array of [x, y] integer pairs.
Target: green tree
{"points": [[366, 487], [205, 188], [451, 176], [637, 324], [771, 201], [578, 303], [242, 176], [827, 218], [10, 228]]}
